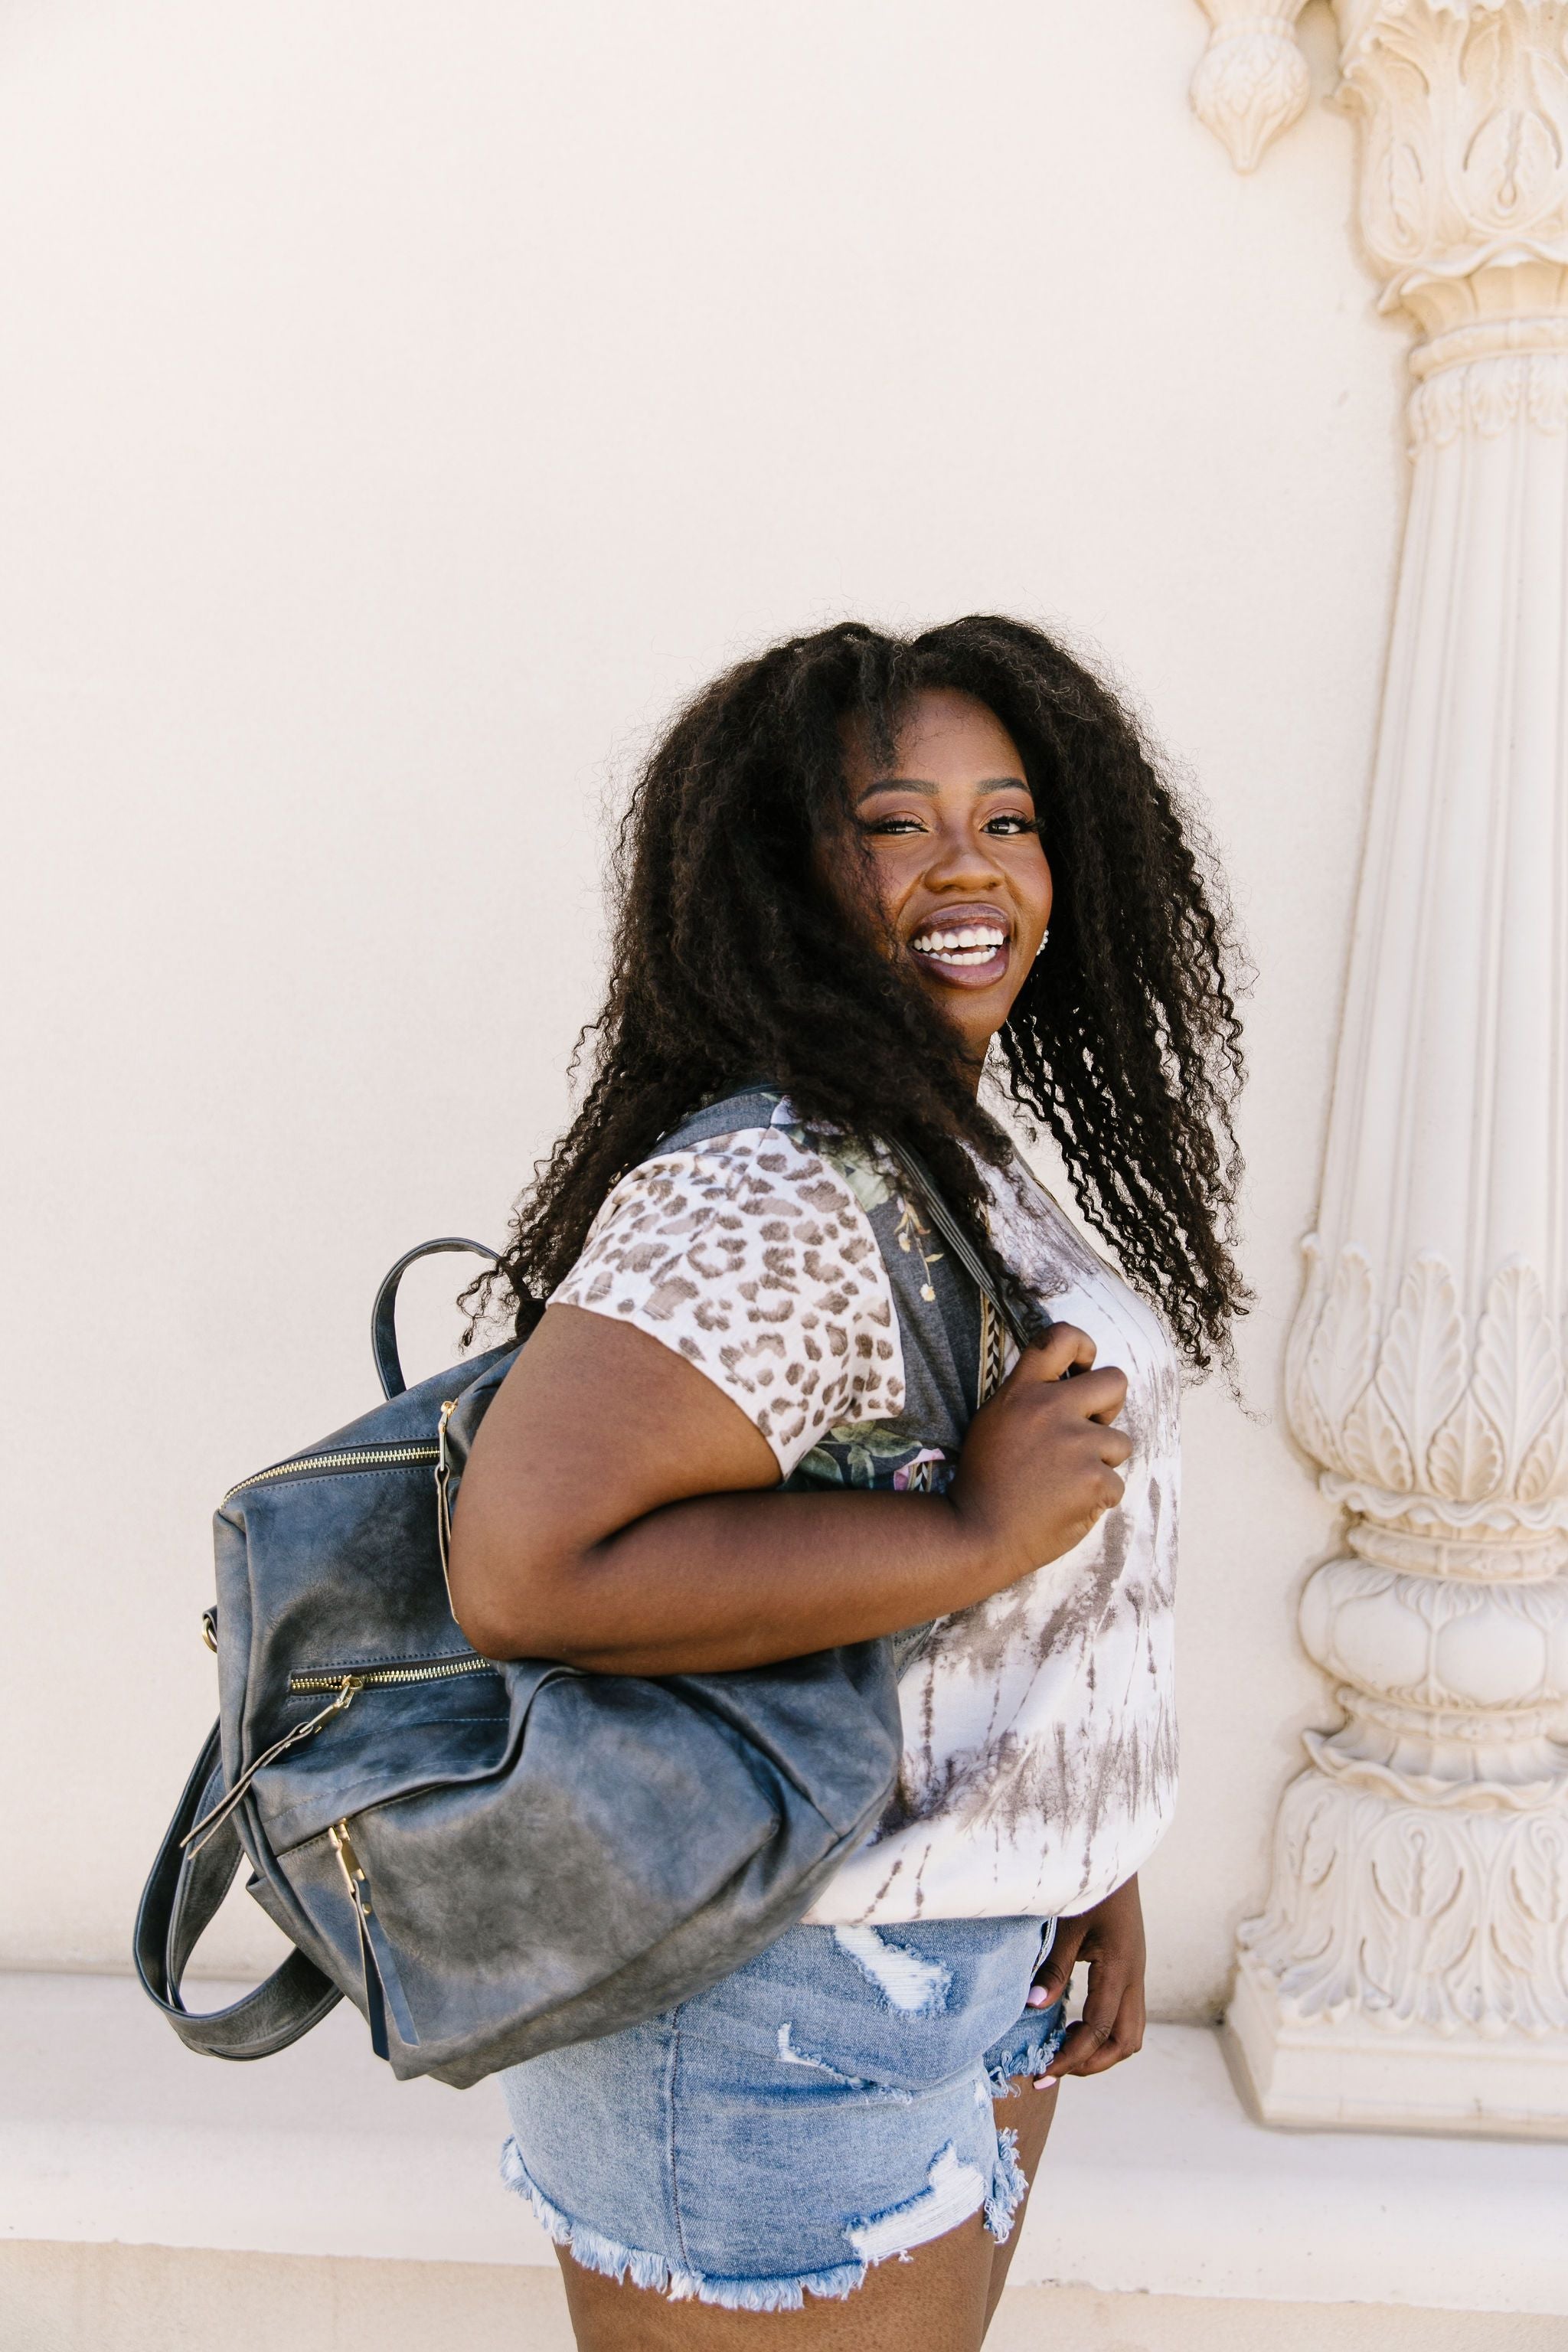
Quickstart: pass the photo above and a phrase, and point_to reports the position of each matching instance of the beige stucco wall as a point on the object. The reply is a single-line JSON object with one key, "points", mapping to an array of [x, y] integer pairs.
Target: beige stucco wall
{"points": [[399, 409]]}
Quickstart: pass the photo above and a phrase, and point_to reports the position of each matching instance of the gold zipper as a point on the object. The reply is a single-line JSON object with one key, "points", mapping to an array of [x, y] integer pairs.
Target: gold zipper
{"points": [[430, 1670], [349, 1864], [356, 1457], [345, 1685]]}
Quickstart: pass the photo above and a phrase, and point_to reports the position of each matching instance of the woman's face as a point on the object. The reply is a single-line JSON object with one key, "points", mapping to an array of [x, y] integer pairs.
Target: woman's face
{"points": [[956, 859]]}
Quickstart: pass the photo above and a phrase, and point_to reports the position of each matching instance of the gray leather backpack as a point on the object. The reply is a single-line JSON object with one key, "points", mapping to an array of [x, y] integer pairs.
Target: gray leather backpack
{"points": [[490, 1860]]}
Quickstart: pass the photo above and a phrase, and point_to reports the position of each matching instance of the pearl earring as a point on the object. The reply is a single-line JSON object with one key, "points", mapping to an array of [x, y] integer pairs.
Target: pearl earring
{"points": [[1045, 935]]}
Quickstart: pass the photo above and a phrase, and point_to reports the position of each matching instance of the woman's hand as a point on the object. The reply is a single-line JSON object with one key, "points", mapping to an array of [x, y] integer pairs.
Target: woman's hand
{"points": [[612, 1514], [1110, 1939], [1039, 1462]]}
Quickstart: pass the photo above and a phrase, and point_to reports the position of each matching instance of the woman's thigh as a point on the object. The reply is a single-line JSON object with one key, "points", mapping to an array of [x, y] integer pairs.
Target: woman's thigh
{"points": [[1029, 2114], [934, 2300]]}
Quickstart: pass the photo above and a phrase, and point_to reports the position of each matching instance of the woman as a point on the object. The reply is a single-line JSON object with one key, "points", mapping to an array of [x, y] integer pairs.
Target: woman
{"points": [[838, 877]]}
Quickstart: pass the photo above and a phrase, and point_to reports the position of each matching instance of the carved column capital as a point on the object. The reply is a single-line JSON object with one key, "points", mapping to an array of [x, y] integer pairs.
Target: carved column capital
{"points": [[1252, 81], [1464, 175], [1444, 1433]]}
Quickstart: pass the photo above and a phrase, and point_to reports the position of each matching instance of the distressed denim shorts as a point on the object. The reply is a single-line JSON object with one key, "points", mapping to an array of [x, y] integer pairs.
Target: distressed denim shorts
{"points": [[826, 2106]]}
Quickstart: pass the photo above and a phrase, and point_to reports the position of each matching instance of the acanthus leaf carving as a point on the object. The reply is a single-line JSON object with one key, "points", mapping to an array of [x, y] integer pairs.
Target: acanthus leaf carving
{"points": [[1421, 1368], [1466, 109], [1252, 81], [1546, 391], [1466, 1463], [1490, 394], [1416, 1411], [1343, 1349], [1456, 1921], [1537, 1889], [1519, 1372], [1543, 1467], [1373, 1444], [1509, 165]]}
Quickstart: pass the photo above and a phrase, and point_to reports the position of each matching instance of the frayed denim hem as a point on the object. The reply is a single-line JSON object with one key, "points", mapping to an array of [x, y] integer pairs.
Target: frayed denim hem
{"points": [[594, 2253], [1001, 2081], [1008, 2185]]}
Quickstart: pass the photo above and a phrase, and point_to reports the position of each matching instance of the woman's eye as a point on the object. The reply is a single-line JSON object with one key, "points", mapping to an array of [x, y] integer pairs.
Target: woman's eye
{"points": [[895, 825], [1011, 823]]}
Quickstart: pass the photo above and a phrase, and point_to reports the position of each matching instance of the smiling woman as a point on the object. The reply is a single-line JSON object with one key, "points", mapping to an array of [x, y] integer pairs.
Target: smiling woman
{"points": [[763, 1413], [959, 822]]}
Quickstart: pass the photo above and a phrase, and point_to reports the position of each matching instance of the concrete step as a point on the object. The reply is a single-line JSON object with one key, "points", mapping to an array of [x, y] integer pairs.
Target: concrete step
{"points": [[60, 2298], [119, 2149]]}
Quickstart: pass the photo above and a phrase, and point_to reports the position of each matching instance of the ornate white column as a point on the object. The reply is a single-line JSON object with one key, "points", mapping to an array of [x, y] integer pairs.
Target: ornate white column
{"points": [[1411, 1968]]}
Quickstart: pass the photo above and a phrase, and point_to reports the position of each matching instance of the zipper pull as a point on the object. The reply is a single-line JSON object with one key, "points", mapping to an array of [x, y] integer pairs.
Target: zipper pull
{"points": [[349, 1862], [378, 1964], [196, 1836], [443, 1502]]}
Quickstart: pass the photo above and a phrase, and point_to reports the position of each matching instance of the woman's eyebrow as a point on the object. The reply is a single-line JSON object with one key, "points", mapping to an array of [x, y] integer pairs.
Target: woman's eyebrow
{"points": [[919, 785]]}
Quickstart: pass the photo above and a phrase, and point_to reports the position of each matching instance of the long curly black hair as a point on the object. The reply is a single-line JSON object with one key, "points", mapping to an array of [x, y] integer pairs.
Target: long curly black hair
{"points": [[731, 963]]}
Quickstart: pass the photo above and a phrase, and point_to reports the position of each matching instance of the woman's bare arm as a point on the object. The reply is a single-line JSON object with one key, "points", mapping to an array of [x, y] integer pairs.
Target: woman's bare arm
{"points": [[611, 1515]]}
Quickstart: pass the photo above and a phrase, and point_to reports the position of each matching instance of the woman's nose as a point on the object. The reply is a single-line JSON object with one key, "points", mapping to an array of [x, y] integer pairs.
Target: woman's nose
{"points": [[959, 855]]}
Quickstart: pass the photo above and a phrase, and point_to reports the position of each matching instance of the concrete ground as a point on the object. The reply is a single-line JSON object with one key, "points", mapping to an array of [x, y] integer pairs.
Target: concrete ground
{"points": [[63, 2298]]}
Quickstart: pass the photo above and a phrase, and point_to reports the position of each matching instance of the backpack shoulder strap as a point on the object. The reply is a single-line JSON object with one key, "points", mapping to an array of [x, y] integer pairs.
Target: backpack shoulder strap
{"points": [[748, 1106], [919, 1176], [181, 1895]]}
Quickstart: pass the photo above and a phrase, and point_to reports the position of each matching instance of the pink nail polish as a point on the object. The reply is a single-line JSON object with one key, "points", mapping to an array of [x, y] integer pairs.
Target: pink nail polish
{"points": [[1037, 1998], [1045, 2082]]}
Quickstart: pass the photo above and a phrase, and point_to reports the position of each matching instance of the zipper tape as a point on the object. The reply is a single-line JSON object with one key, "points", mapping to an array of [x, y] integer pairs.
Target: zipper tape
{"points": [[424, 1670], [353, 1457], [345, 1685]]}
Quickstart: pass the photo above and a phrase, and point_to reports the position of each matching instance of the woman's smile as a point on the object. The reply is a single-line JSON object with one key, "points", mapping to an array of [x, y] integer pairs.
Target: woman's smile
{"points": [[968, 946]]}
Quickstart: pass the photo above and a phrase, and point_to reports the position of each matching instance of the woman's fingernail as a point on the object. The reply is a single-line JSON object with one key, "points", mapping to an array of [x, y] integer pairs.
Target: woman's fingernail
{"points": [[1037, 1998], [1045, 2082]]}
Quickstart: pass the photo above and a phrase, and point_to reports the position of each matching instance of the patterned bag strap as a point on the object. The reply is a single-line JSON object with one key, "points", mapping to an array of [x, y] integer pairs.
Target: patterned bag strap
{"points": [[921, 1178]]}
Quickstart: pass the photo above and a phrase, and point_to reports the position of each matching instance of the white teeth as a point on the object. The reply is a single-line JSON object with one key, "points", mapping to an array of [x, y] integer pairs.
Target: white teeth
{"points": [[972, 943]]}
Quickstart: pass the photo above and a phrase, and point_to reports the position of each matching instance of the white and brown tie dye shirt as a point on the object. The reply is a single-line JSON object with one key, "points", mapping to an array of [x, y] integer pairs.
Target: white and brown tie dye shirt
{"points": [[1039, 1737]]}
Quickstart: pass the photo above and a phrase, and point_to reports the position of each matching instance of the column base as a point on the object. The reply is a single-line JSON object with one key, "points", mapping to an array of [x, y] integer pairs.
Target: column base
{"points": [[1351, 2073]]}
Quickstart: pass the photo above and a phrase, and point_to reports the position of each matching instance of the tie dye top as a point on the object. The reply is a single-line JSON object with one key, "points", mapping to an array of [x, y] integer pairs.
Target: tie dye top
{"points": [[1040, 1758]]}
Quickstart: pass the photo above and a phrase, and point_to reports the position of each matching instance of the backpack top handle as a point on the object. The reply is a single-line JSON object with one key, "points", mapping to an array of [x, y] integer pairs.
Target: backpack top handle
{"points": [[383, 1314]]}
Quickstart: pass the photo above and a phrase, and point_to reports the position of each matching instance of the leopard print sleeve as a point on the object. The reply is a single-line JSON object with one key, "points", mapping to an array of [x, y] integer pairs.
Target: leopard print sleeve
{"points": [[751, 1257]]}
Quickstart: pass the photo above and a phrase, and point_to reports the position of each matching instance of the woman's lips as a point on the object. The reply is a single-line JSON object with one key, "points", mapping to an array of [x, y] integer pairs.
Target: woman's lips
{"points": [[967, 946]]}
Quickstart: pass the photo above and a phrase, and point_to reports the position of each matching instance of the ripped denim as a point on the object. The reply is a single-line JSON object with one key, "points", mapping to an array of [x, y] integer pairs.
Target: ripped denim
{"points": [[824, 2108]]}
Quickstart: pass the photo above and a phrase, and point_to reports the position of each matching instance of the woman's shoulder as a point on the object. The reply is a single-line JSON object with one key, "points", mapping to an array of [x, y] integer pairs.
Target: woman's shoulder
{"points": [[745, 1184], [742, 1245]]}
